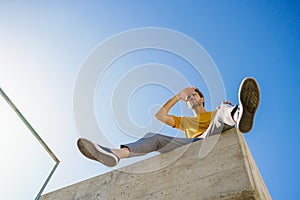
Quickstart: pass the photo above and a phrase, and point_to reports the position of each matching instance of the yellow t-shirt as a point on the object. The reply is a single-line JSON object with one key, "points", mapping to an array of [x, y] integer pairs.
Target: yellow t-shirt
{"points": [[193, 126]]}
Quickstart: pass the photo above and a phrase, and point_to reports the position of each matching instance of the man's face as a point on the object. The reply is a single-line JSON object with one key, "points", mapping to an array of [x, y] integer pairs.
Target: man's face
{"points": [[193, 100]]}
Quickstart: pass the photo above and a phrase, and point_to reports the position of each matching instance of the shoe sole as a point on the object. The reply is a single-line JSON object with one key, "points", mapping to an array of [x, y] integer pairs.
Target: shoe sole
{"points": [[249, 97], [94, 152]]}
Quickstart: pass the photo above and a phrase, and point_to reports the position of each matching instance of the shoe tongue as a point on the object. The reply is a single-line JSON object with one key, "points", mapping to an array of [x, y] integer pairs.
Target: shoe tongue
{"points": [[234, 113]]}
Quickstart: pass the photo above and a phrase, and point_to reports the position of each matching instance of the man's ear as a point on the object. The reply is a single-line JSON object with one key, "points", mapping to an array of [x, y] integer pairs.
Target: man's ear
{"points": [[202, 100]]}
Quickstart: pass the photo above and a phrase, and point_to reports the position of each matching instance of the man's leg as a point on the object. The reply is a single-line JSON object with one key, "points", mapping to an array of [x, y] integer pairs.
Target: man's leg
{"points": [[222, 121], [156, 142], [149, 143], [227, 116]]}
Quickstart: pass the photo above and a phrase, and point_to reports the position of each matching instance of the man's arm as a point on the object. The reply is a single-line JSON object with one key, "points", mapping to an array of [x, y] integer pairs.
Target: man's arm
{"points": [[162, 114]]}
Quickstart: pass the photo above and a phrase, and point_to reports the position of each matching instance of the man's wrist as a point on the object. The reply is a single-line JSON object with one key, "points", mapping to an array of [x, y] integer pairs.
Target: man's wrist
{"points": [[177, 97]]}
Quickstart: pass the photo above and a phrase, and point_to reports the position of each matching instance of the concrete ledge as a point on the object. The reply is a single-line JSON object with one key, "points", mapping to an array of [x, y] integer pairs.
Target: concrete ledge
{"points": [[190, 172]]}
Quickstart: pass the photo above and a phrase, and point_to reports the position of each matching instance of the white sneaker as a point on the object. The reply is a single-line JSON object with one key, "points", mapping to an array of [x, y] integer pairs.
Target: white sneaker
{"points": [[249, 97], [98, 153]]}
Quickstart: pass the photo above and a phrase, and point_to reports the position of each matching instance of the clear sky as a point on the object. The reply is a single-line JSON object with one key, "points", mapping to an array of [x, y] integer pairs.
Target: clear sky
{"points": [[45, 44]]}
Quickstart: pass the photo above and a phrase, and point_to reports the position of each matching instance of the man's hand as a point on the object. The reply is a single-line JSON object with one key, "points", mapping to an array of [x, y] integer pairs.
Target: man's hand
{"points": [[162, 114], [185, 92]]}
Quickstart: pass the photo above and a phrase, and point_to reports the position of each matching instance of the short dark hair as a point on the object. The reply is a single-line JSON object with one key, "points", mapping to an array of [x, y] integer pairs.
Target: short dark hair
{"points": [[200, 94]]}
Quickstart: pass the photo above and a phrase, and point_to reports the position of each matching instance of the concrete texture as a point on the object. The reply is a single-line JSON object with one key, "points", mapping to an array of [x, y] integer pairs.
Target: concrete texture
{"points": [[190, 172]]}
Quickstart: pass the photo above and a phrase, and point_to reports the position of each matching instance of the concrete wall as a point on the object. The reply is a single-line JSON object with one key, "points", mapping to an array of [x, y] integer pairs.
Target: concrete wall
{"points": [[228, 171]]}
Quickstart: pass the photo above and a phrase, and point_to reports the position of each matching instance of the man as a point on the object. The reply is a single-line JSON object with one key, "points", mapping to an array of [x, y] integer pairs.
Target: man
{"points": [[200, 126]]}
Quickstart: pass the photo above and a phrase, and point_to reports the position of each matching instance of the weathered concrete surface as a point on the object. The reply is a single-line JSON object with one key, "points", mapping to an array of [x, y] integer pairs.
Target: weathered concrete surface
{"points": [[228, 171]]}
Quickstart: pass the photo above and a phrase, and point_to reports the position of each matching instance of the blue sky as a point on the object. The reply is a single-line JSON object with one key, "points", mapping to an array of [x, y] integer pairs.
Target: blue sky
{"points": [[44, 45]]}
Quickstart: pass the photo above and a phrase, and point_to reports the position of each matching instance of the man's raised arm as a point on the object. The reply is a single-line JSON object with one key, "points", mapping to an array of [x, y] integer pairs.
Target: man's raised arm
{"points": [[162, 114]]}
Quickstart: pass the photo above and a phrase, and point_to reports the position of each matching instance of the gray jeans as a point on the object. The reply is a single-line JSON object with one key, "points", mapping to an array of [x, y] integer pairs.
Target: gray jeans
{"points": [[162, 143]]}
